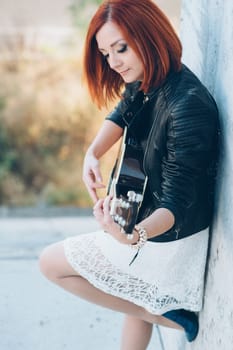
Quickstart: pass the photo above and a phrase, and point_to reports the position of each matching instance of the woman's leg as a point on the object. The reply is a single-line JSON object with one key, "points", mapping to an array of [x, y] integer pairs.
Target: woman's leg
{"points": [[136, 334], [55, 267]]}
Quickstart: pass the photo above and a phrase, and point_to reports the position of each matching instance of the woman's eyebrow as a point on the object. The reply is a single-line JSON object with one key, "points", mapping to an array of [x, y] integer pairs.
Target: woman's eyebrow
{"points": [[115, 42], [112, 45]]}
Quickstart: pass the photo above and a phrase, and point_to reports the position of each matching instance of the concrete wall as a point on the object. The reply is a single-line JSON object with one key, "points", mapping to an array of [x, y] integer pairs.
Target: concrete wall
{"points": [[207, 37]]}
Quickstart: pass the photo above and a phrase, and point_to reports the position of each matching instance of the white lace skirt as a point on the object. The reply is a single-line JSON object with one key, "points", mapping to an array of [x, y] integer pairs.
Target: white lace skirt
{"points": [[163, 277]]}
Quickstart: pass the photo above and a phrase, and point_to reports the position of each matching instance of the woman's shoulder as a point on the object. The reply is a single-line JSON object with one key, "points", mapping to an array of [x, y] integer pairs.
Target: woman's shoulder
{"points": [[185, 89]]}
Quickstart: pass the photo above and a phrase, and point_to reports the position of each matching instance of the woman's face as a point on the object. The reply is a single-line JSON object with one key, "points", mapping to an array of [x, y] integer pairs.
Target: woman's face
{"points": [[119, 55]]}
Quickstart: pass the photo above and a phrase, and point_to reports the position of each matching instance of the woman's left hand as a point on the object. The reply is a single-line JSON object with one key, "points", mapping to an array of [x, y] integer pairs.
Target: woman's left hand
{"points": [[101, 212]]}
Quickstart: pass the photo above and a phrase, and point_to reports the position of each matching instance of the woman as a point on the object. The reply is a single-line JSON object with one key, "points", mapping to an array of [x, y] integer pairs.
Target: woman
{"points": [[132, 46]]}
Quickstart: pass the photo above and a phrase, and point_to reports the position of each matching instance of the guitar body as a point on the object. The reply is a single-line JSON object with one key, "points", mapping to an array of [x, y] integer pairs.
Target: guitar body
{"points": [[127, 184]]}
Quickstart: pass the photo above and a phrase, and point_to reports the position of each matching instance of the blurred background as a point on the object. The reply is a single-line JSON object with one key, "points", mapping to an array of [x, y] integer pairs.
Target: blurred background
{"points": [[47, 119]]}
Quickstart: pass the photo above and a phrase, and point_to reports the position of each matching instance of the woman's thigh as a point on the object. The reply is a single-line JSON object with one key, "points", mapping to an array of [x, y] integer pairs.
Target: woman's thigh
{"points": [[53, 262]]}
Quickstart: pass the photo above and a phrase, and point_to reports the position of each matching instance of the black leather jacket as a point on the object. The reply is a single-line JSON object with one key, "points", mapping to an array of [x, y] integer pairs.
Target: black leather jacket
{"points": [[177, 125]]}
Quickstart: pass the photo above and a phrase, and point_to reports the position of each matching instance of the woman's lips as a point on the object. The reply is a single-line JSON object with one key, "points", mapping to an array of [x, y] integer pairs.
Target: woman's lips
{"points": [[124, 72]]}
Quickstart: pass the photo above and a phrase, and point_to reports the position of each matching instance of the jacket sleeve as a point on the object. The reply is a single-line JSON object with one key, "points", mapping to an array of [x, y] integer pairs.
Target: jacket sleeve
{"points": [[116, 115], [191, 131]]}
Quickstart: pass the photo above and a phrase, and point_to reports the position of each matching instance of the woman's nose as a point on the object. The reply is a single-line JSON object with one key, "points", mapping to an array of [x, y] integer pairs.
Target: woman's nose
{"points": [[114, 61]]}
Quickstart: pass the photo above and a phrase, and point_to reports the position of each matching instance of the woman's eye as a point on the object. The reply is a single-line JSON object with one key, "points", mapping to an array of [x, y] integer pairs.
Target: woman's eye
{"points": [[123, 48]]}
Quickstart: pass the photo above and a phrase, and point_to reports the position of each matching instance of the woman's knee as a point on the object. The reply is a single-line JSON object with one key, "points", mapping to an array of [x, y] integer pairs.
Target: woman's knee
{"points": [[50, 260]]}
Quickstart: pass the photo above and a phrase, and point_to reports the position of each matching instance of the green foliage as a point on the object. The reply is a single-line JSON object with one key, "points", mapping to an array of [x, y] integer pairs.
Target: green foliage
{"points": [[81, 12], [46, 123]]}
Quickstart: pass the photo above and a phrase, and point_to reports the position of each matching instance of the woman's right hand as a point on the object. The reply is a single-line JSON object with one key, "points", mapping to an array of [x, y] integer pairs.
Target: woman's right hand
{"points": [[92, 176], [104, 140]]}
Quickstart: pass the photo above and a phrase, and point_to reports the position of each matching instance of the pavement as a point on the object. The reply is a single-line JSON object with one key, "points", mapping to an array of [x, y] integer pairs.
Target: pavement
{"points": [[34, 313]]}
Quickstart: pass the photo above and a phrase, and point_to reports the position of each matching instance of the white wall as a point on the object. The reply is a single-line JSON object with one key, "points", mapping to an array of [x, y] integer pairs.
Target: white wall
{"points": [[207, 37]]}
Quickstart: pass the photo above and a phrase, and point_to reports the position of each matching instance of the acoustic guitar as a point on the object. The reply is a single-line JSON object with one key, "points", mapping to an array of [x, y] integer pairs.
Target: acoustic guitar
{"points": [[127, 184]]}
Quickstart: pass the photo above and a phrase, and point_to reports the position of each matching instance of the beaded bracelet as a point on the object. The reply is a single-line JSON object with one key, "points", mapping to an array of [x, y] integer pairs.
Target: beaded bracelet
{"points": [[142, 237]]}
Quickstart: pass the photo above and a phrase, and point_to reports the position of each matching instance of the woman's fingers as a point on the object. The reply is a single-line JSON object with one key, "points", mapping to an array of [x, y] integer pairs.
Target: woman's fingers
{"points": [[92, 188], [92, 177], [98, 210], [92, 193], [101, 211], [106, 209], [98, 177]]}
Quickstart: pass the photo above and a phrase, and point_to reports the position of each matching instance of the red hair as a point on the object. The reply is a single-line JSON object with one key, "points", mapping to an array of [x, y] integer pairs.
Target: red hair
{"points": [[147, 31]]}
